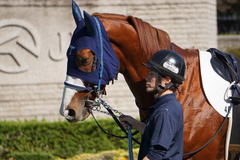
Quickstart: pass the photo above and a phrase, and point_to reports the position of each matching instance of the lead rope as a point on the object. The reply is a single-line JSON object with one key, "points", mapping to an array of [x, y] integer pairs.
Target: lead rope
{"points": [[129, 133], [129, 128], [130, 151], [110, 111], [96, 107]]}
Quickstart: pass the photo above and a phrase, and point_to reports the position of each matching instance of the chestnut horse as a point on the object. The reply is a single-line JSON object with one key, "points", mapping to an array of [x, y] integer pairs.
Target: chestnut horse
{"points": [[134, 42]]}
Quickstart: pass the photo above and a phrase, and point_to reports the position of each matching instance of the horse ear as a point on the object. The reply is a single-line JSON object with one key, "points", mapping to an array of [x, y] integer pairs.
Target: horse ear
{"points": [[76, 12], [91, 28]]}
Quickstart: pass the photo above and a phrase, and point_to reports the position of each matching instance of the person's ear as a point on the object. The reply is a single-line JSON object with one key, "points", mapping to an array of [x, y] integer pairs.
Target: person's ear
{"points": [[167, 79]]}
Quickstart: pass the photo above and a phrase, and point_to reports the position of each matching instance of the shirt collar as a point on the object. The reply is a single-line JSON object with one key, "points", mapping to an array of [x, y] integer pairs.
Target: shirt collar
{"points": [[162, 99]]}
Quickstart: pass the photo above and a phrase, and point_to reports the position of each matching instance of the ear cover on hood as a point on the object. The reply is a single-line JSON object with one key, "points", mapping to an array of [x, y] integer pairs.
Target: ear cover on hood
{"points": [[90, 34]]}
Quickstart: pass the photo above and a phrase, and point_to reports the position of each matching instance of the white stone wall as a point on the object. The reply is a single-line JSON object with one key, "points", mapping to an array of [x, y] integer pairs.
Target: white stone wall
{"points": [[35, 34], [228, 42]]}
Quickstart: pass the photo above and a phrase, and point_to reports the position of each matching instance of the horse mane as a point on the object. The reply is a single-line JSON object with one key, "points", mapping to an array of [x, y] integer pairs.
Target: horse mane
{"points": [[111, 16], [151, 39]]}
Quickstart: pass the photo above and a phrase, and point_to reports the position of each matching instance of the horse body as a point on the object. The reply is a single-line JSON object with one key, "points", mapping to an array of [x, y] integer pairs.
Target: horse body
{"points": [[201, 120], [134, 42]]}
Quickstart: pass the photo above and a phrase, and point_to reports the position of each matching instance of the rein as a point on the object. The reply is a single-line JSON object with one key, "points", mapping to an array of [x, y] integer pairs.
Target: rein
{"points": [[95, 106]]}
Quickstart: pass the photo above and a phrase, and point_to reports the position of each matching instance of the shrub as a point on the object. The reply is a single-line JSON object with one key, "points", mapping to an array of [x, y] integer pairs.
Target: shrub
{"points": [[235, 52], [105, 155], [31, 156], [60, 139]]}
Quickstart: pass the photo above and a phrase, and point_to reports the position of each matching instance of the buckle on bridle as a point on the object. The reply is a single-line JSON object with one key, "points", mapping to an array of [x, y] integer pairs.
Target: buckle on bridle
{"points": [[92, 104]]}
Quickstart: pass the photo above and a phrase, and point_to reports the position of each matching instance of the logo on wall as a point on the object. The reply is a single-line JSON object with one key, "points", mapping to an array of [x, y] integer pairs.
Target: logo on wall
{"points": [[17, 38], [62, 46]]}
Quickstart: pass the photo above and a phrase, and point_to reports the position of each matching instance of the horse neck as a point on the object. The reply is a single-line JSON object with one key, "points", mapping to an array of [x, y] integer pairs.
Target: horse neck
{"points": [[133, 70], [125, 42], [128, 48]]}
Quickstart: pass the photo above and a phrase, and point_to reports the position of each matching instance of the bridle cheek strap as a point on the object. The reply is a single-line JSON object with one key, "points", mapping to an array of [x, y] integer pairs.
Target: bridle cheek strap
{"points": [[101, 54]]}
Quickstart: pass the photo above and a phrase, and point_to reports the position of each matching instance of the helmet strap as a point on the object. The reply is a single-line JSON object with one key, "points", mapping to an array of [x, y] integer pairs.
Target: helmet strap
{"points": [[163, 88], [168, 86], [157, 88], [160, 88]]}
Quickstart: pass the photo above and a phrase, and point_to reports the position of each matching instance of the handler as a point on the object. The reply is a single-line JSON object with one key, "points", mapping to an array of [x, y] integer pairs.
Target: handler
{"points": [[162, 137]]}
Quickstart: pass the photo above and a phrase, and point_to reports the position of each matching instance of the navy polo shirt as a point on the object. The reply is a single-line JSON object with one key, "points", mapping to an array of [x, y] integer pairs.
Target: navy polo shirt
{"points": [[163, 135]]}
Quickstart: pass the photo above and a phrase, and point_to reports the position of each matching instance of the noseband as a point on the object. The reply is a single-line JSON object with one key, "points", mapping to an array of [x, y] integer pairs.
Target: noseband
{"points": [[91, 88]]}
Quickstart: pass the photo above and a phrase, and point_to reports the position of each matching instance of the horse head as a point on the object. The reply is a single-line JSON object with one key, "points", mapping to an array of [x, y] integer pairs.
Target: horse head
{"points": [[91, 64]]}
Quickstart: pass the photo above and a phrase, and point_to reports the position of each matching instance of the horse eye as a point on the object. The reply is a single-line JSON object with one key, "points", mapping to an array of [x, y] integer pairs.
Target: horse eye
{"points": [[84, 60], [85, 63]]}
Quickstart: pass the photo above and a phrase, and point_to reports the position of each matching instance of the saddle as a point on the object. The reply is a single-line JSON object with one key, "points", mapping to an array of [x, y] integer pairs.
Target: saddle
{"points": [[228, 67]]}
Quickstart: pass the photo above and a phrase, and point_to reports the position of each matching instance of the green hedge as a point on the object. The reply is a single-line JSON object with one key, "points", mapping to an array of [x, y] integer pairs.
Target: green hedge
{"points": [[119, 154], [234, 51], [58, 139], [31, 156]]}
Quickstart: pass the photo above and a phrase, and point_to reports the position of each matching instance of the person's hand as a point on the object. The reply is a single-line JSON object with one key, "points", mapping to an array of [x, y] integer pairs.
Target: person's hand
{"points": [[135, 124], [125, 120]]}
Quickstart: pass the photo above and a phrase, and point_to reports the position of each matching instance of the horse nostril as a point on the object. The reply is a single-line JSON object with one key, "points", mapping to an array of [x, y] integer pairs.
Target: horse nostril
{"points": [[70, 115], [71, 112]]}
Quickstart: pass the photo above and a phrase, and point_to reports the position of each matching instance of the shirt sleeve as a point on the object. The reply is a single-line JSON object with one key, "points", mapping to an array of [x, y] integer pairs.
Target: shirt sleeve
{"points": [[156, 152]]}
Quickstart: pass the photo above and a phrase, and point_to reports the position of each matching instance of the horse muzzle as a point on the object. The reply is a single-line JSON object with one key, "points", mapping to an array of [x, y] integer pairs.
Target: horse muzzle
{"points": [[75, 98]]}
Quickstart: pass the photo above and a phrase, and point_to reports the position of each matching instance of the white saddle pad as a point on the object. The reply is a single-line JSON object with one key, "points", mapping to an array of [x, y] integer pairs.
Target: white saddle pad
{"points": [[214, 86]]}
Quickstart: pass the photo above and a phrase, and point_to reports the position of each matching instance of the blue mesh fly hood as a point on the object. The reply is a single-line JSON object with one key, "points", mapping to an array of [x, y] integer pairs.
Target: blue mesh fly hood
{"points": [[91, 34]]}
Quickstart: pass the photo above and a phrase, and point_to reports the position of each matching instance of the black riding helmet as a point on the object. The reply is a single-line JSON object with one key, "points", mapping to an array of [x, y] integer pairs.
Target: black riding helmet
{"points": [[168, 63]]}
